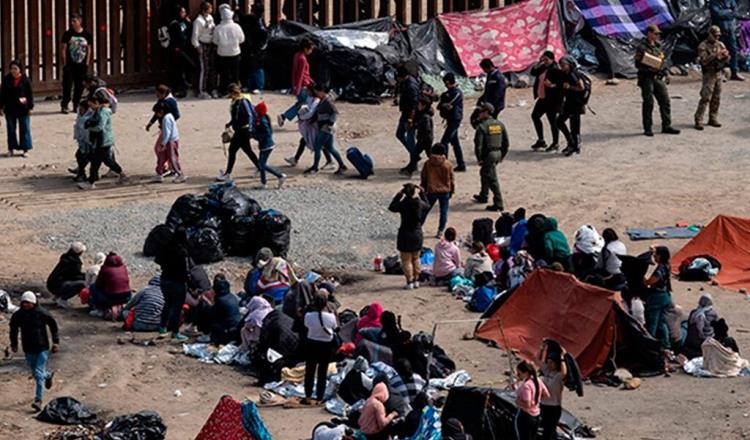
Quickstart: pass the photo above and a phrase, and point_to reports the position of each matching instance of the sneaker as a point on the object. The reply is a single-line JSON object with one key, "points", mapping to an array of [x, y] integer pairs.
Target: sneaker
{"points": [[479, 199], [96, 313], [539, 145], [460, 169], [167, 174], [282, 180], [204, 95], [222, 177], [86, 186], [327, 166], [648, 133], [409, 286], [341, 171], [180, 178], [310, 172], [736, 77], [64, 110], [439, 234], [280, 120], [255, 92], [291, 161], [62, 303], [571, 151], [261, 187], [79, 179], [553, 147], [25, 155], [203, 339], [406, 171], [179, 337], [415, 284], [123, 179], [670, 130], [37, 405], [157, 179], [48, 381], [162, 332]]}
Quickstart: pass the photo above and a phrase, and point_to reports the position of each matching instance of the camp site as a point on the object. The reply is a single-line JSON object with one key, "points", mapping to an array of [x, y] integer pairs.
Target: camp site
{"points": [[375, 219]]}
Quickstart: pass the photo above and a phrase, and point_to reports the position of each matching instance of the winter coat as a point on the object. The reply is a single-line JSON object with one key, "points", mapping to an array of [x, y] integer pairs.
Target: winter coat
{"points": [[243, 114], [113, 277], [453, 98], [556, 248], [174, 263], [373, 418], [476, 264], [101, 125], [179, 34], [11, 96], [228, 35], [408, 96], [699, 326], [277, 334], [264, 133], [494, 90], [425, 130], [33, 326], [203, 30], [256, 41], [437, 176], [410, 237], [148, 304], [69, 268], [225, 315]]}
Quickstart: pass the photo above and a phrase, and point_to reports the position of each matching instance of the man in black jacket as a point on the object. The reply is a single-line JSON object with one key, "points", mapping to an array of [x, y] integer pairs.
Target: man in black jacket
{"points": [[494, 87], [67, 279], [254, 49], [180, 63], [175, 267], [32, 321], [408, 87]]}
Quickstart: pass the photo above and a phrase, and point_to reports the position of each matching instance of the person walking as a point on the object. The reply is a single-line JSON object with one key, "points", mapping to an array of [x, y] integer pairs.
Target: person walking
{"points": [[573, 105], [227, 37], [102, 142], [301, 80], [168, 147], [490, 146], [410, 204], [713, 56], [554, 372], [243, 123], [264, 135], [17, 104], [32, 321], [439, 184], [202, 40], [174, 261], [451, 108], [254, 49], [549, 97], [408, 96], [724, 15], [327, 115], [75, 56], [180, 63], [653, 77], [494, 87]]}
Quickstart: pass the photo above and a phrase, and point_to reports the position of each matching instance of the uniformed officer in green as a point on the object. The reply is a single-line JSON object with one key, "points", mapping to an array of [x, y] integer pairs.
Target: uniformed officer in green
{"points": [[490, 146], [653, 77]]}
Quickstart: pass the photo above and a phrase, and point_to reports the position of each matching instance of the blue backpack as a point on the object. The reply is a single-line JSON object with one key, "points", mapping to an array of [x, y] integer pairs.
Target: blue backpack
{"points": [[482, 299]]}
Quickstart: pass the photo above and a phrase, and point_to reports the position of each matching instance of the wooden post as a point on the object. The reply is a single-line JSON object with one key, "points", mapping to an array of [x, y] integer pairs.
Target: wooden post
{"points": [[390, 8], [326, 13], [129, 16], [267, 11], [485, 5], [34, 24], [406, 11], [100, 36], [437, 7], [421, 12], [48, 38], [61, 24], [372, 6], [115, 50]]}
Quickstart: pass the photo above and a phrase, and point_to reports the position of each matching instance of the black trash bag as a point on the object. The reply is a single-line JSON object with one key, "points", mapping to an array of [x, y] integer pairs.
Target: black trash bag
{"points": [[392, 265], [67, 411], [274, 231], [187, 211], [242, 237], [234, 203], [145, 425], [204, 245], [156, 239]]}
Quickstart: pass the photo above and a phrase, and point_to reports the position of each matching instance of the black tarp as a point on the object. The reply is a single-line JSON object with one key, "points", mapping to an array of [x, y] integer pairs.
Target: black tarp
{"points": [[432, 49], [67, 411]]}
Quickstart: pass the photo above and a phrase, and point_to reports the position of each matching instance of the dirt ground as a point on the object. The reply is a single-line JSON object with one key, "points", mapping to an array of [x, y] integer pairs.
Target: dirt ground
{"points": [[621, 179]]}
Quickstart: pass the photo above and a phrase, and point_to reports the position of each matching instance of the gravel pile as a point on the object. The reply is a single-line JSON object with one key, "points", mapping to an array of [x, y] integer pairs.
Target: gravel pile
{"points": [[332, 229]]}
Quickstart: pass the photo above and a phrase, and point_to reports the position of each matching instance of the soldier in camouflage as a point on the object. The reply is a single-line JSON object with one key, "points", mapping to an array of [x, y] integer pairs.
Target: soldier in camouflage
{"points": [[713, 56]]}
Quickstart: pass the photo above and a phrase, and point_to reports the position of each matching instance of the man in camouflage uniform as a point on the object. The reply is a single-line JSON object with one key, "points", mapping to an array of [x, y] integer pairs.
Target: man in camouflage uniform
{"points": [[490, 147], [653, 83], [713, 56]]}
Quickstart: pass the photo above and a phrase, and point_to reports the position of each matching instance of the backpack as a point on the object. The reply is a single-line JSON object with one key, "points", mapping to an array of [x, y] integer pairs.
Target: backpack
{"points": [[586, 94], [110, 96], [162, 34]]}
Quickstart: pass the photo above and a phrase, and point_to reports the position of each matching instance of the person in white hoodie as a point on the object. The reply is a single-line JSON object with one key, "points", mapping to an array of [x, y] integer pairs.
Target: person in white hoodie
{"points": [[168, 149], [227, 37], [203, 41]]}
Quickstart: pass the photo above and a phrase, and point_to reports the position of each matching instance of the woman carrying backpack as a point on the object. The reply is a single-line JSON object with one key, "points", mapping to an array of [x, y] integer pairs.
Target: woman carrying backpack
{"points": [[573, 107]]}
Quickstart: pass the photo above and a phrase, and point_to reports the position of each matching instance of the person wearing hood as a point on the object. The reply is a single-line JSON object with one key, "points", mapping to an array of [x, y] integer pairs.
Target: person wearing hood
{"points": [[67, 278], [518, 231], [276, 275], [32, 321], [175, 267], [587, 251], [243, 123], [453, 429], [257, 310], [227, 37], [478, 262], [143, 312], [700, 326], [373, 420], [93, 271], [439, 184], [225, 313], [264, 135], [369, 325], [112, 287], [447, 262], [556, 248], [410, 204]]}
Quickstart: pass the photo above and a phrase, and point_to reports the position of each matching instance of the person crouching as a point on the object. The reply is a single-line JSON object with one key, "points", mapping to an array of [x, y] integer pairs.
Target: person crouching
{"points": [[167, 148]]}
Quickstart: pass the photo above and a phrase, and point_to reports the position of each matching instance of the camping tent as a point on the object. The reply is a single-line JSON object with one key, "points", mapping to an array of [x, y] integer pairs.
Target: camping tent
{"points": [[590, 322], [728, 240], [234, 420]]}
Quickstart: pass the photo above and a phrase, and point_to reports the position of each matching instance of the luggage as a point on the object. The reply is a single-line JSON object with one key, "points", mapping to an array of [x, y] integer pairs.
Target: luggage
{"points": [[362, 162], [504, 225], [481, 230]]}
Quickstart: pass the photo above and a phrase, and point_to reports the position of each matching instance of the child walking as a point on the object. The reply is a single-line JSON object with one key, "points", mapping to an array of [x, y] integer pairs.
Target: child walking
{"points": [[327, 114], [264, 135], [32, 321], [167, 148], [243, 124], [81, 135], [164, 99], [102, 140], [308, 129]]}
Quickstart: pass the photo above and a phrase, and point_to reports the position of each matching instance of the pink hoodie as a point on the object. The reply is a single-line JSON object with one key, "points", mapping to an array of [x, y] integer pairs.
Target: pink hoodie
{"points": [[447, 258], [373, 418]]}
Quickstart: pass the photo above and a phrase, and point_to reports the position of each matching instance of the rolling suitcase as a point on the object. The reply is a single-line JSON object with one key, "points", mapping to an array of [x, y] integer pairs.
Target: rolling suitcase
{"points": [[362, 162]]}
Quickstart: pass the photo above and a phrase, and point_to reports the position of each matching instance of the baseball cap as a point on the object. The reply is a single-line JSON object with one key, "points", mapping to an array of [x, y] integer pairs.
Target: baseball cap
{"points": [[28, 297], [653, 28], [487, 107]]}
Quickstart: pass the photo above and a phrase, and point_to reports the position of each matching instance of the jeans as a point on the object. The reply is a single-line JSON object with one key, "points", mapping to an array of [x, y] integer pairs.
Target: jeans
{"points": [[657, 306], [38, 364], [256, 79], [408, 137], [73, 76], [22, 141], [301, 150], [102, 155], [540, 109], [729, 38], [324, 142], [652, 87], [263, 165], [317, 357], [444, 200], [174, 297], [293, 111], [179, 70], [69, 289], [450, 136], [240, 141]]}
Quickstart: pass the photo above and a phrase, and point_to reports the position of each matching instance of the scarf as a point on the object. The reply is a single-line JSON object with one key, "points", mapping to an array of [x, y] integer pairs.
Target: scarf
{"points": [[258, 309]]}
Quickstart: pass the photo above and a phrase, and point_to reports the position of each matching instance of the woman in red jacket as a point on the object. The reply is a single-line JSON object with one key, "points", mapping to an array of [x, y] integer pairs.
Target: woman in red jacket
{"points": [[112, 287]]}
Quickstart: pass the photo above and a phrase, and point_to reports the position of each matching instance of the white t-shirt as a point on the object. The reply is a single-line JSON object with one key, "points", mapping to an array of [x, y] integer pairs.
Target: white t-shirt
{"points": [[612, 263], [317, 332]]}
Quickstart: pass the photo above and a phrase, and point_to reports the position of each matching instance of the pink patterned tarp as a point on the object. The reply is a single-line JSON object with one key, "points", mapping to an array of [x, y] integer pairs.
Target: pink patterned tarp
{"points": [[513, 37]]}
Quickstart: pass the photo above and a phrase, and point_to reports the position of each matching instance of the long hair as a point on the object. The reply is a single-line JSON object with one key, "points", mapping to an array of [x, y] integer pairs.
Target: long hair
{"points": [[526, 367], [662, 253]]}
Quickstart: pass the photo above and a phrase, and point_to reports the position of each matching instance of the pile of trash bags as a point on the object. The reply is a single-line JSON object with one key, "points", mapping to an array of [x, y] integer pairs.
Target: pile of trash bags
{"points": [[224, 221]]}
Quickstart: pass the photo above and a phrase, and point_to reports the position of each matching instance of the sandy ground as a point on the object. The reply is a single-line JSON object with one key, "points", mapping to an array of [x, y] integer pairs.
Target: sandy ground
{"points": [[621, 179]]}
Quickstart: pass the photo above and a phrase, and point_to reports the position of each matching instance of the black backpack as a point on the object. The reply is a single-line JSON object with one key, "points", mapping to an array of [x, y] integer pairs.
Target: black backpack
{"points": [[586, 94]]}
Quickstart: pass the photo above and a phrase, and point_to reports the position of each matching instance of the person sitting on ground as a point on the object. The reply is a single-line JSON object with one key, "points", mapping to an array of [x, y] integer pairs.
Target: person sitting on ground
{"points": [[410, 204], [199, 298], [112, 287], [586, 251], [529, 394], [700, 326], [319, 347], [67, 279], [257, 310], [720, 359], [556, 248], [143, 312], [93, 271], [439, 184], [478, 262], [410, 426], [276, 275], [373, 420], [609, 274], [393, 336], [518, 231], [554, 371], [277, 334], [523, 265], [721, 334], [412, 383], [453, 429], [225, 313], [369, 325], [447, 262]]}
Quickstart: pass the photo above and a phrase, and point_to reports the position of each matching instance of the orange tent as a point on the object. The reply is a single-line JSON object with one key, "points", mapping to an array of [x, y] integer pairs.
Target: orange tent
{"points": [[728, 240], [587, 321]]}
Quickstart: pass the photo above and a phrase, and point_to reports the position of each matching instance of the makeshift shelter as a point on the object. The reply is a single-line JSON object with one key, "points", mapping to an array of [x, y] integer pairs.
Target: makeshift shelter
{"points": [[590, 322], [488, 413], [728, 240], [513, 37], [234, 420]]}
